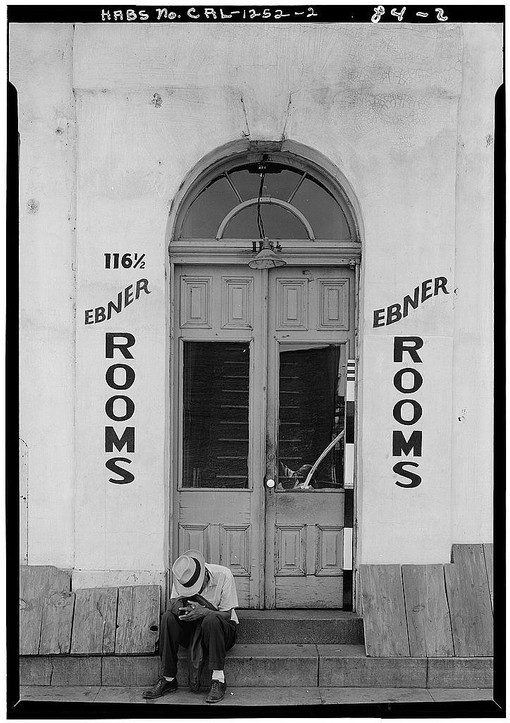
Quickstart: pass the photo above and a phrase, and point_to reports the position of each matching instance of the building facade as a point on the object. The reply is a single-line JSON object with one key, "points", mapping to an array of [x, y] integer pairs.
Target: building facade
{"points": [[256, 299]]}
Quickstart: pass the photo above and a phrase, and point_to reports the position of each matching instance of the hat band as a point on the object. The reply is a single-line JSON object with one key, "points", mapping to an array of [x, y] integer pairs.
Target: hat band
{"points": [[195, 575]]}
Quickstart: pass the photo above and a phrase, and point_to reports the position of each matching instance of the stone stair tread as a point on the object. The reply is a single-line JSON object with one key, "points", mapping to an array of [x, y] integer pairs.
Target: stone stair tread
{"points": [[358, 651], [341, 650], [269, 650], [299, 626], [285, 650], [297, 614]]}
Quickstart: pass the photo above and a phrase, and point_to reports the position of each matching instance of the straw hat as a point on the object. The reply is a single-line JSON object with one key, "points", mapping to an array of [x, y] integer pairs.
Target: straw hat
{"points": [[189, 572]]}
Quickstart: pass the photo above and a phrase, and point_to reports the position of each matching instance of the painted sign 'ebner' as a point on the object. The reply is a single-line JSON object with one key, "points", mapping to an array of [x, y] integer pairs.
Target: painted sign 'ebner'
{"points": [[426, 290], [124, 298]]}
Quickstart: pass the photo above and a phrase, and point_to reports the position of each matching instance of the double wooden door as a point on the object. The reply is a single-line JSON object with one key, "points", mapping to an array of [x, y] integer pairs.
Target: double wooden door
{"points": [[260, 361]]}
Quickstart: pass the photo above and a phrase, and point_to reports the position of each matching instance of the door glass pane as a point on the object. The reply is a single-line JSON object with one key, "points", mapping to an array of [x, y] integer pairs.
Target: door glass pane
{"points": [[311, 415], [247, 184], [215, 414]]}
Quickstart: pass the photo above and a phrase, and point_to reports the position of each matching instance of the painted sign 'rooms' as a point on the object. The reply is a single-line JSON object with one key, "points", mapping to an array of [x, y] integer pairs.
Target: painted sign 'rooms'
{"points": [[407, 411], [119, 407]]}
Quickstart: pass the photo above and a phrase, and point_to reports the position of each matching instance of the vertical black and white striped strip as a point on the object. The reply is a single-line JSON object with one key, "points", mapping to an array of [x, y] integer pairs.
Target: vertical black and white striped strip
{"points": [[349, 425], [349, 466]]}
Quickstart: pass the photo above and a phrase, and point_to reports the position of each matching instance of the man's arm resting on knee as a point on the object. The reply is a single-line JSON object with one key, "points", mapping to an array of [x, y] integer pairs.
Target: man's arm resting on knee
{"points": [[200, 611]]}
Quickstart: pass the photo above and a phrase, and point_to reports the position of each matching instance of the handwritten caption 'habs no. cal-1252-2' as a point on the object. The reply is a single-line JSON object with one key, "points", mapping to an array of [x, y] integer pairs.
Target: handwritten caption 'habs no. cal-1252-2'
{"points": [[202, 13]]}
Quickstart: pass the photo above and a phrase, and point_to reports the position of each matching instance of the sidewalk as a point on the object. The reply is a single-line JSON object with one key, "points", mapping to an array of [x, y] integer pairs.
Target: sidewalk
{"points": [[253, 696]]}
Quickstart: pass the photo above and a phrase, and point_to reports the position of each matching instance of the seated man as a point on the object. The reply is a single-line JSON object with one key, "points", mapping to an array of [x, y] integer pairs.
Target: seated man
{"points": [[202, 614]]}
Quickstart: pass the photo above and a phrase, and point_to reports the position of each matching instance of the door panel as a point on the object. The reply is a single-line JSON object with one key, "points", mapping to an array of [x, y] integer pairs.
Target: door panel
{"points": [[224, 533], [215, 422], [310, 326], [309, 555], [311, 415], [218, 462]]}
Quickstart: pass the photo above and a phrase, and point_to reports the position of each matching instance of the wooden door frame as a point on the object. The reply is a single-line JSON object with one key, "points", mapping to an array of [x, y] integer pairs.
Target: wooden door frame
{"points": [[299, 252], [198, 258]]}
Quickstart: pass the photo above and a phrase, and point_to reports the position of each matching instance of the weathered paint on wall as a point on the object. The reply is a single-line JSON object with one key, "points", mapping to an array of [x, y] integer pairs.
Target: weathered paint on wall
{"points": [[23, 502], [420, 516], [390, 106], [473, 377], [41, 70]]}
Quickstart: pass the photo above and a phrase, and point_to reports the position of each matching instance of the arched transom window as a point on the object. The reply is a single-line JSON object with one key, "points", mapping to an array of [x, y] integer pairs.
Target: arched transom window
{"points": [[273, 196]]}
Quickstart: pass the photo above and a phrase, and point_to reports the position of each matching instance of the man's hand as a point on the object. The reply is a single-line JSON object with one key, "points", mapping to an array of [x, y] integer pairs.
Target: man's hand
{"points": [[193, 611]]}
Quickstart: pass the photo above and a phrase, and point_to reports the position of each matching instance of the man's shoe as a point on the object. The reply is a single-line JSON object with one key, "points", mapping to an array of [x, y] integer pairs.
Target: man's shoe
{"points": [[217, 691], [162, 687]]}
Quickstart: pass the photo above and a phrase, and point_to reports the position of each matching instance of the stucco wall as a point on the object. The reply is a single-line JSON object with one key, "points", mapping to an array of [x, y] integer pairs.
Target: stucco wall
{"points": [[41, 70], [390, 106], [472, 429]]}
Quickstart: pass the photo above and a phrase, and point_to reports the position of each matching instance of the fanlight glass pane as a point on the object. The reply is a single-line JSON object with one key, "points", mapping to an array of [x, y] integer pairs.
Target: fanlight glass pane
{"points": [[311, 414], [321, 210], [277, 222], [209, 209], [279, 184], [215, 414], [310, 197]]}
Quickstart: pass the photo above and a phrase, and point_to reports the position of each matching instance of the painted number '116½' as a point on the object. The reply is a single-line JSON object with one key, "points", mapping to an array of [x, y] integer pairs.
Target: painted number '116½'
{"points": [[126, 261]]}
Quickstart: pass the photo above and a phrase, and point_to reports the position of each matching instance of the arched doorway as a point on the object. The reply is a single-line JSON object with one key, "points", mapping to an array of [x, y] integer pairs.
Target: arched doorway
{"points": [[263, 270]]}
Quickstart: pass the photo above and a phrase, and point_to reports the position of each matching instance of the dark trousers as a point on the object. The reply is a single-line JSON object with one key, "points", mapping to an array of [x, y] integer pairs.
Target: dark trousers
{"points": [[218, 636]]}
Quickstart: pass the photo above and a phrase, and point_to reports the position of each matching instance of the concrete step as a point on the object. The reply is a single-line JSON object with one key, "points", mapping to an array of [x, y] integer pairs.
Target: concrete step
{"points": [[299, 626], [256, 696], [275, 665]]}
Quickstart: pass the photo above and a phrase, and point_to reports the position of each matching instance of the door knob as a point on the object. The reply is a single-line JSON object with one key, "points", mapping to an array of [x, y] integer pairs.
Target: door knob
{"points": [[270, 483]]}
